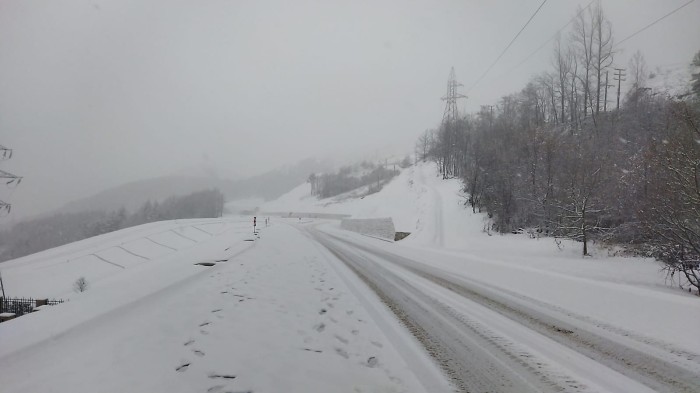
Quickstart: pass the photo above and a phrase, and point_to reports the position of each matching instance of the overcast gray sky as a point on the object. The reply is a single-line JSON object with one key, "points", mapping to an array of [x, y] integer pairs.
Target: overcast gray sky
{"points": [[97, 93]]}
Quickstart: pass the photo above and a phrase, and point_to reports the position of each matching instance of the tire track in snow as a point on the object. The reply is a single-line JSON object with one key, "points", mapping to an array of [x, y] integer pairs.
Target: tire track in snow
{"points": [[679, 374], [473, 358]]}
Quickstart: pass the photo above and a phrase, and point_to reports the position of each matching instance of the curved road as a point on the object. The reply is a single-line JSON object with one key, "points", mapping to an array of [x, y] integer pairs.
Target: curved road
{"points": [[489, 340]]}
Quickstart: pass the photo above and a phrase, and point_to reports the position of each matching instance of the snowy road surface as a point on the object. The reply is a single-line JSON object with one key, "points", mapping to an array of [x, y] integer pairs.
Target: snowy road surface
{"points": [[491, 340]]}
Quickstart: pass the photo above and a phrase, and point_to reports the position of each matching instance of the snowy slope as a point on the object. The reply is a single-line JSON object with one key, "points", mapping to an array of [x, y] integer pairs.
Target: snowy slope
{"points": [[51, 273], [396, 200], [671, 80]]}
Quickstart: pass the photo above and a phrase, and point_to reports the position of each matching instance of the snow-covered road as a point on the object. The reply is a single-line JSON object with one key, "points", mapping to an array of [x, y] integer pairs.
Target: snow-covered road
{"points": [[280, 314], [491, 339]]}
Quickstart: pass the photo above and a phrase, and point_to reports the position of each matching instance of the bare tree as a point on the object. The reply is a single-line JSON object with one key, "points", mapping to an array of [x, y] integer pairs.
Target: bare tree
{"points": [[603, 56], [582, 40], [562, 68], [80, 285], [695, 78], [424, 144], [673, 216], [638, 70]]}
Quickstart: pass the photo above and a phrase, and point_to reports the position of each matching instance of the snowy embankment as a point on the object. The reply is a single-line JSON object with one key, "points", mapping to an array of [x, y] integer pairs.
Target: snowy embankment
{"points": [[382, 228], [161, 265], [51, 273], [631, 294]]}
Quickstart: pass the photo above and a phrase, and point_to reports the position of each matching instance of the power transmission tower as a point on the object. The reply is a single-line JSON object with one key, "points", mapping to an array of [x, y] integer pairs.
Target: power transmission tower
{"points": [[12, 180], [619, 77], [451, 113]]}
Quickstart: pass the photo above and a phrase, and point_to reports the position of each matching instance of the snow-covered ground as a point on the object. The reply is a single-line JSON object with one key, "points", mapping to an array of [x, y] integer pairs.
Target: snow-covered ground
{"points": [[273, 315], [288, 312]]}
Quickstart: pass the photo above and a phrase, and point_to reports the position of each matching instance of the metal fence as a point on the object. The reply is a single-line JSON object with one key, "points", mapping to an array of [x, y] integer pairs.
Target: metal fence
{"points": [[20, 305]]}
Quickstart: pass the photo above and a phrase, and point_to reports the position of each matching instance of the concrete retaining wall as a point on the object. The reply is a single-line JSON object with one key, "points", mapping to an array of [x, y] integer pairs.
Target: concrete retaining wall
{"points": [[330, 216], [382, 228]]}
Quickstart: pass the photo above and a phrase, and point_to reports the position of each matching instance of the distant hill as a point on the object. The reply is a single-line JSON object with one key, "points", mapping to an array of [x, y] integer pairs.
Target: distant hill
{"points": [[134, 194], [269, 185]]}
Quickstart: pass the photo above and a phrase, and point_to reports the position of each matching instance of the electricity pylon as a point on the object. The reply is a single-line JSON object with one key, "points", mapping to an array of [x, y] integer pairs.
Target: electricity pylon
{"points": [[451, 113], [11, 180]]}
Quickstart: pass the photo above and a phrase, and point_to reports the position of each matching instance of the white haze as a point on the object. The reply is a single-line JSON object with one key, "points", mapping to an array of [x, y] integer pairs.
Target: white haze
{"points": [[97, 93]]}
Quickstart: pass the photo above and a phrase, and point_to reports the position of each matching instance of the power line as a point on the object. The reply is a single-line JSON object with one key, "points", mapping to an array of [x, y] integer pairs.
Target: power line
{"points": [[653, 23], [550, 38], [508, 46]]}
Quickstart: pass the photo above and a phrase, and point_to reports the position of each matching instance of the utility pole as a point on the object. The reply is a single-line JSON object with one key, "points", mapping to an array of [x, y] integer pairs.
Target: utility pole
{"points": [[619, 77], [607, 86]]}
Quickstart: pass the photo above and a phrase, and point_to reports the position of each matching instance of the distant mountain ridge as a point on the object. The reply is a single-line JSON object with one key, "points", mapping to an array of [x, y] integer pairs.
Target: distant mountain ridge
{"points": [[269, 185], [134, 194]]}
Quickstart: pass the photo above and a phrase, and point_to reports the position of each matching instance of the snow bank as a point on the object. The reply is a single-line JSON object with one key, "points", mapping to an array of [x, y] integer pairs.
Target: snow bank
{"points": [[382, 228]]}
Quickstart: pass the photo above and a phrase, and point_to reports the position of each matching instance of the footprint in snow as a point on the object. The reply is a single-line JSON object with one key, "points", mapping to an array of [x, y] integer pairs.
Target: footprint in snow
{"points": [[342, 352], [341, 339], [221, 376], [372, 361], [182, 368], [204, 324], [198, 353], [320, 327]]}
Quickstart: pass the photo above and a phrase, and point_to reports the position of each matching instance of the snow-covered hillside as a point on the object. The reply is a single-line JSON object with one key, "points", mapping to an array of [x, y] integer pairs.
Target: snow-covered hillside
{"points": [[671, 80], [408, 199]]}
